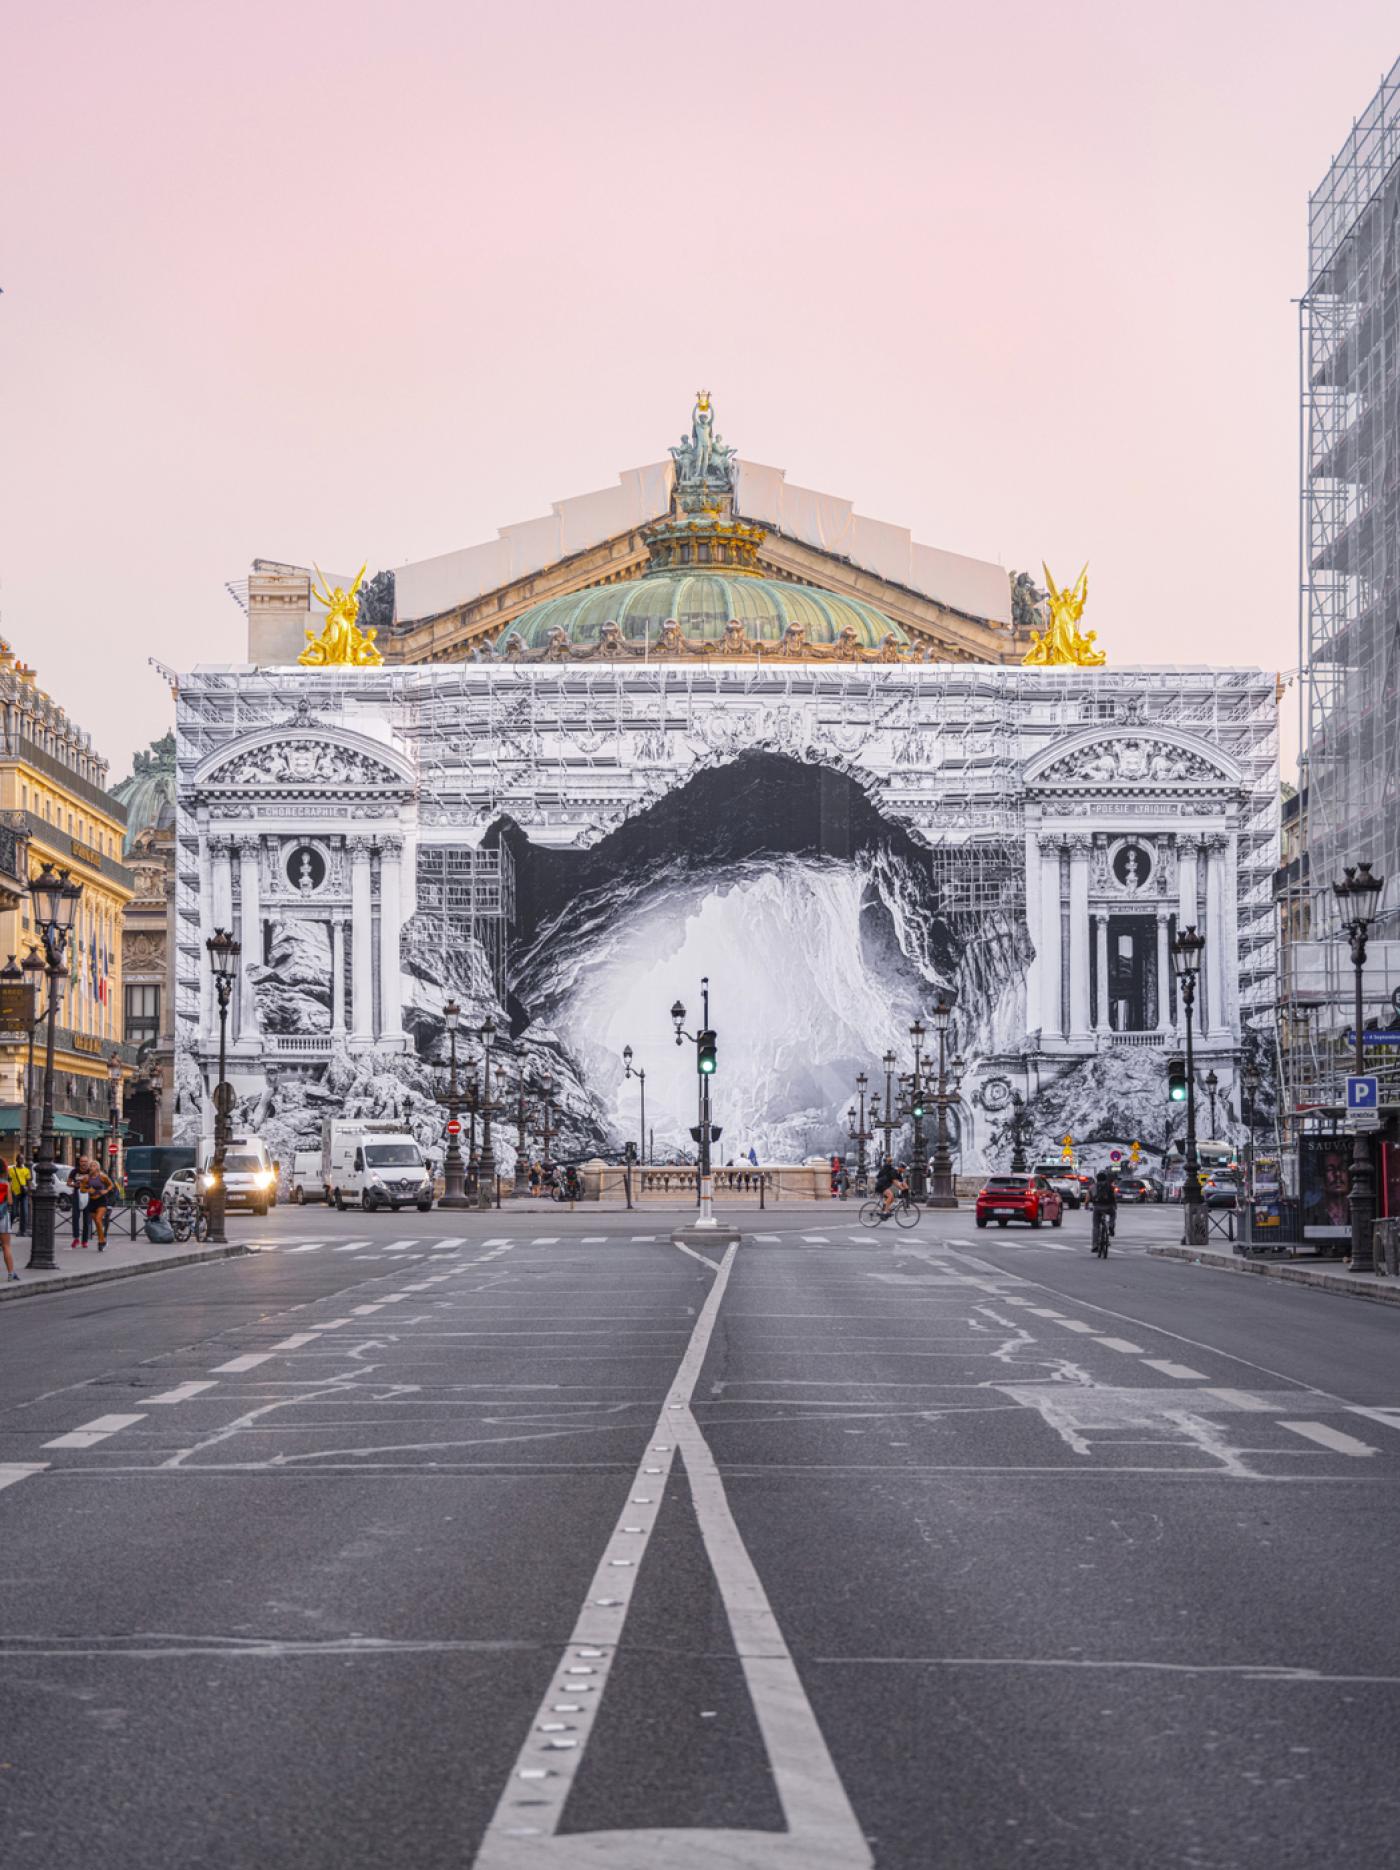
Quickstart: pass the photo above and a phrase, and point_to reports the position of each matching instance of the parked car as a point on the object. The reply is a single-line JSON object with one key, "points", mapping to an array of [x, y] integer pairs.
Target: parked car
{"points": [[308, 1183], [1220, 1190], [150, 1165], [183, 1182], [1006, 1198]]}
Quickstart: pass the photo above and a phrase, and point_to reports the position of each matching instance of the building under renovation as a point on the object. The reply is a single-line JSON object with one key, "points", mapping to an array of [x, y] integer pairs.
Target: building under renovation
{"points": [[1348, 807], [706, 723]]}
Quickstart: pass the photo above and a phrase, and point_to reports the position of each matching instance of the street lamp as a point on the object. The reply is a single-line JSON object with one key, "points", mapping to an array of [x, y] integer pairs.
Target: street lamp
{"points": [[703, 1040], [860, 1135], [522, 1154], [33, 966], [1249, 1089], [486, 1184], [1186, 952], [1212, 1086], [636, 1071], [55, 901], [224, 951], [943, 1194], [114, 1116], [891, 1119], [1357, 896], [453, 1193], [1018, 1134]]}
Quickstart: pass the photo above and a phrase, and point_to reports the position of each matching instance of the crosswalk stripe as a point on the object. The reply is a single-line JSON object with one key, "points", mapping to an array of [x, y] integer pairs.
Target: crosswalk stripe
{"points": [[1332, 1438], [540, 1240], [352, 1246], [1182, 1372], [97, 1430], [1389, 1417], [1120, 1344], [313, 1247], [183, 1392], [1242, 1399]]}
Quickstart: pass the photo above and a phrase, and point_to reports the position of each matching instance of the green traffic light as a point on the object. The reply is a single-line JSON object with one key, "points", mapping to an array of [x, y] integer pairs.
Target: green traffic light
{"points": [[707, 1066], [1178, 1094]]}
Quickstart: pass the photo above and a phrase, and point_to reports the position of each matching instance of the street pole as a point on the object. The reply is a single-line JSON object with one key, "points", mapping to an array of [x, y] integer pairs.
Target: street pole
{"points": [[486, 1182], [223, 951], [1212, 1086], [546, 1125], [943, 1194], [114, 1119], [54, 898], [1187, 950], [454, 1190], [522, 1166], [1249, 1086], [1018, 1134], [1358, 893], [636, 1071]]}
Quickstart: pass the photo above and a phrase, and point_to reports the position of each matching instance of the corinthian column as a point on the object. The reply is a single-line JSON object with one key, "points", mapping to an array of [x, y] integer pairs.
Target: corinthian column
{"points": [[250, 935], [337, 976], [1079, 939], [206, 929], [1051, 1017], [1213, 1000], [1103, 1011], [361, 940], [1164, 973], [390, 917], [1035, 973]]}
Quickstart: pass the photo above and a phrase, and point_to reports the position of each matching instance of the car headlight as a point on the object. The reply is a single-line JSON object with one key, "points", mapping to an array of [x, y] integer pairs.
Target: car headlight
{"points": [[264, 1178], [209, 1179]]}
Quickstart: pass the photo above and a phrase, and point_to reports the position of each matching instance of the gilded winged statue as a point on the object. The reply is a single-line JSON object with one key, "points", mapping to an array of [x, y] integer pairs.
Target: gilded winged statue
{"points": [[341, 641], [1062, 643]]}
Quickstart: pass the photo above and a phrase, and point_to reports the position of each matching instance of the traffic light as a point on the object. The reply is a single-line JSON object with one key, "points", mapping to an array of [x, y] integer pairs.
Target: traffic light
{"points": [[1176, 1080], [918, 1104], [706, 1045]]}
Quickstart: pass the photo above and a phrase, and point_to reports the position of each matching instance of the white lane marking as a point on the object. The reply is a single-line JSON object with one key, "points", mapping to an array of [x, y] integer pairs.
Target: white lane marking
{"points": [[183, 1392], [1041, 1312], [540, 1240], [97, 1430], [643, 1237], [352, 1246], [1182, 1372], [1121, 1344], [816, 1239], [594, 1240], [681, 1247], [1242, 1399], [295, 1343], [314, 1247], [1075, 1324], [362, 1311], [765, 1236], [447, 1246], [334, 1324], [822, 1830], [237, 1364], [1332, 1438], [13, 1471], [1389, 1417]]}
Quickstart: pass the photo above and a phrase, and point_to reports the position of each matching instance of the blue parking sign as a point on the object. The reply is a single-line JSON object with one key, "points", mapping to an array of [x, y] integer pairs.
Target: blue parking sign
{"points": [[1362, 1093]]}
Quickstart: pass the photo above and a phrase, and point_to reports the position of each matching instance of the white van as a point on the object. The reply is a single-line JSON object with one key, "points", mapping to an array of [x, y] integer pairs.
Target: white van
{"points": [[376, 1165], [250, 1174], [307, 1184]]}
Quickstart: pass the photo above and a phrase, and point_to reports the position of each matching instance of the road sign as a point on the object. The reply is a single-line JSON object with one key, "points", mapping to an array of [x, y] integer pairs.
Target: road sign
{"points": [[1115, 1155], [1362, 1094], [224, 1098], [1375, 1035], [454, 1127], [111, 1145]]}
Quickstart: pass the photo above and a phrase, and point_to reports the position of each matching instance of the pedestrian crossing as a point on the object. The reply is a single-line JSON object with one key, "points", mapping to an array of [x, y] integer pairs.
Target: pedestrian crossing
{"points": [[360, 1248]]}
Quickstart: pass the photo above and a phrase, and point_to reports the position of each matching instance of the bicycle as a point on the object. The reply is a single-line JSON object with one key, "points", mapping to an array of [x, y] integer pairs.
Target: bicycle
{"points": [[904, 1209], [1103, 1227], [187, 1217]]}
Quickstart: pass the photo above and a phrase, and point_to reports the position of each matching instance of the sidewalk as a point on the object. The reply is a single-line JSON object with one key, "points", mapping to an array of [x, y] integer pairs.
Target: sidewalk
{"points": [[121, 1259], [1325, 1275]]}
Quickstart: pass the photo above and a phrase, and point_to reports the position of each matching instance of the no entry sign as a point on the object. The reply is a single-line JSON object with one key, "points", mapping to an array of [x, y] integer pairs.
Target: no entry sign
{"points": [[454, 1128]]}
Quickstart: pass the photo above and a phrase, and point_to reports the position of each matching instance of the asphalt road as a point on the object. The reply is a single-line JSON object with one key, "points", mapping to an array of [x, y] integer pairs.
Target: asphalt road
{"points": [[532, 1540]]}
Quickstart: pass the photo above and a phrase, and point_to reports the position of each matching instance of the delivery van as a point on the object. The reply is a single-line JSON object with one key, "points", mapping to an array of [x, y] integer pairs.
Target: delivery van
{"points": [[373, 1165], [250, 1174]]}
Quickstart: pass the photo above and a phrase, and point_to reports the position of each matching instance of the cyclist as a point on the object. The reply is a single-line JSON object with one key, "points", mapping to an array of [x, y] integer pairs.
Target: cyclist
{"points": [[892, 1189], [1104, 1200]]}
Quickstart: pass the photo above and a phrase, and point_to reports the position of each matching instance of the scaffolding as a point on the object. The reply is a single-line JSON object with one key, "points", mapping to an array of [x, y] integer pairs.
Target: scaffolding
{"points": [[466, 898], [1349, 609]]}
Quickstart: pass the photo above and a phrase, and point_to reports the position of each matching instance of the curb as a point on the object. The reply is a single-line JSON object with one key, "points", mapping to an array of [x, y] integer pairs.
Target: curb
{"points": [[65, 1282], [1342, 1283]]}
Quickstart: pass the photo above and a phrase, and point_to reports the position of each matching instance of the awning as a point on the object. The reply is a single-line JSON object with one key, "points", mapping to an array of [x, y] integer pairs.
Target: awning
{"points": [[12, 1123]]}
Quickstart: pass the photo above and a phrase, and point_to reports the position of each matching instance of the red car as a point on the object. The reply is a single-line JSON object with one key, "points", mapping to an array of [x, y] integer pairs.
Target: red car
{"points": [[1030, 1198]]}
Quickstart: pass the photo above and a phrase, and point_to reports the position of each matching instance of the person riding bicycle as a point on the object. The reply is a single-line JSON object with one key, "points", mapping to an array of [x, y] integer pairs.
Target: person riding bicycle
{"points": [[890, 1184], [1104, 1198]]}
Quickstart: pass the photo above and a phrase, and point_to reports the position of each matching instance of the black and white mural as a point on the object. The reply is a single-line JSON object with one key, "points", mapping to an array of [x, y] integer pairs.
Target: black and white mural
{"points": [[566, 852]]}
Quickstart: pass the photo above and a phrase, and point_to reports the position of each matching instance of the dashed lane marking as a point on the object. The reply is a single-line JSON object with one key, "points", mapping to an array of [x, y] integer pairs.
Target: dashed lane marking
{"points": [[1121, 1344], [352, 1246], [1390, 1418], [1182, 1372], [13, 1471], [1075, 1324], [295, 1343], [1242, 1399], [183, 1392], [236, 1365], [313, 1246], [1332, 1438], [97, 1430], [540, 1240]]}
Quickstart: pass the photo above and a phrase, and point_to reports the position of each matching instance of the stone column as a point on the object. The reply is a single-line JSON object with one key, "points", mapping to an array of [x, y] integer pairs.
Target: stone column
{"points": [[1035, 973], [1213, 999], [206, 929], [338, 976], [390, 919], [250, 935], [1103, 1012], [221, 850], [1230, 931], [1079, 847], [1051, 1011], [1187, 912], [361, 940], [1164, 973]]}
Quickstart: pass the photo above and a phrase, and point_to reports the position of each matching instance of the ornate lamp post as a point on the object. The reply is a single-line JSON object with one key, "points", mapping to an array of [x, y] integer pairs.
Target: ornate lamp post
{"points": [[522, 1162], [1357, 896], [486, 1185], [1212, 1086], [546, 1124], [1018, 1134], [636, 1071], [1249, 1090], [1186, 952], [55, 899], [454, 1193], [860, 1135], [942, 1194], [918, 1176], [33, 966], [891, 1121], [224, 951], [114, 1117]]}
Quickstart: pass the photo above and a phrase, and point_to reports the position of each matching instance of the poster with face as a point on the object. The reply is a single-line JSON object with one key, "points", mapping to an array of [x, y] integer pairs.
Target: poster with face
{"points": [[1324, 1176]]}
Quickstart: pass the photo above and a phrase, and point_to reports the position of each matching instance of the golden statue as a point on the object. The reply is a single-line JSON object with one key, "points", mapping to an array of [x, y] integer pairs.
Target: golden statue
{"points": [[342, 642], [1062, 643]]}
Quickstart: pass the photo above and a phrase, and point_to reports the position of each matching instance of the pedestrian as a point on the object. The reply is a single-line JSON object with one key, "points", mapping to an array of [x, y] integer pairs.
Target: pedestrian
{"points": [[5, 1206], [21, 1175], [77, 1184], [835, 1177], [100, 1190]]}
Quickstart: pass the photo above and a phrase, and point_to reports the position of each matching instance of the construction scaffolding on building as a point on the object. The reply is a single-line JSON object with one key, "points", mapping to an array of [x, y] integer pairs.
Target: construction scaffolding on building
{"points": [[1349, 615]]}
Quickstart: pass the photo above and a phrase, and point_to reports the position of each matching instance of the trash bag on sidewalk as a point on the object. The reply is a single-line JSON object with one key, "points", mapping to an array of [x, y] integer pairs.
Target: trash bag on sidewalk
{"points": [[159, 1231]]}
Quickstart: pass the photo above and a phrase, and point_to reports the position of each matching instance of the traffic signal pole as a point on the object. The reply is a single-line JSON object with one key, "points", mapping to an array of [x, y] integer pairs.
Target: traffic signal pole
{"points": [[705, 1065]]}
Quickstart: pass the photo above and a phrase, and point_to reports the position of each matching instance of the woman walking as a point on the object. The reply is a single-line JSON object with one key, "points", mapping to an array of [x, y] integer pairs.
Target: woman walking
{"points": [[5, 1206], [100, 1190]]}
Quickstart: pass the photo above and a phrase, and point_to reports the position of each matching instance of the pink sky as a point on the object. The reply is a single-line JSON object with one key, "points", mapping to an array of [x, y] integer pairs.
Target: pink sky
{"points": [[368, 281]]}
